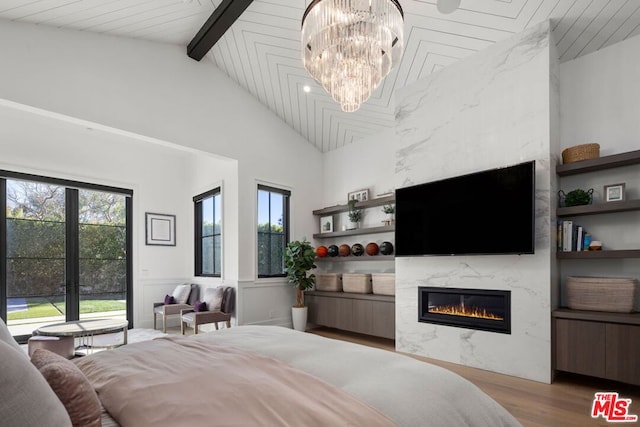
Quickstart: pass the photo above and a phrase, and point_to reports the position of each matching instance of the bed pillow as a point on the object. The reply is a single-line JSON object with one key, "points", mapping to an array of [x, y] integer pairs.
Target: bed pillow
{"points": [[181, 293], [169, 299], [6, 336], [71, 386], [213, 298], [25, 397]]}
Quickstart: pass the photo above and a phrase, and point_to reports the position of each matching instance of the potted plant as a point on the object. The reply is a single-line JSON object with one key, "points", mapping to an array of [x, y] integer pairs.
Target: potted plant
{"points": [[389, 210], [298, 260], [355, 214]]}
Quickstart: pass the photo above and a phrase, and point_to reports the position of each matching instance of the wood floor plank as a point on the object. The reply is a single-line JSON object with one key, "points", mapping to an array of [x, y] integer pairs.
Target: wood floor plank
{"points": [[564, 403]]}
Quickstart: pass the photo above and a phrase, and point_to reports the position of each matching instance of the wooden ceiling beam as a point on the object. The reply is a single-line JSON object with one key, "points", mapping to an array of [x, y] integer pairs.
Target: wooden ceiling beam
{"points": [[218, 23]]}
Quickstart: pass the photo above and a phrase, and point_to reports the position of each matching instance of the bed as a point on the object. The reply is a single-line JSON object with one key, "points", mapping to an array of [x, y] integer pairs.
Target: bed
{"points": [[267, 375]]}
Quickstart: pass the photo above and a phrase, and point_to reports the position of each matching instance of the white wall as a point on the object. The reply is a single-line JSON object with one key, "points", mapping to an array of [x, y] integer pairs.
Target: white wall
{"points": [[156, 91], [600, 102]]}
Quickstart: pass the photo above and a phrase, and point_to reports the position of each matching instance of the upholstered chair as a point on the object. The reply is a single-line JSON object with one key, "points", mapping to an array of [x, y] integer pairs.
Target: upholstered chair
{"points": [[184, 296], [216, 306]]}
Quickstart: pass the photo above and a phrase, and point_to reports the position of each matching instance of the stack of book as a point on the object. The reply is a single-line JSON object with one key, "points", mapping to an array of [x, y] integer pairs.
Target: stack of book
{"points": [[572, 237]]}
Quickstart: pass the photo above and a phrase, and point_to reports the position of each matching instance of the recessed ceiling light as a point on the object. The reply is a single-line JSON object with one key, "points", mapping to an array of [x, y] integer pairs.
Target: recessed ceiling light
{"points": [[448, 6], [306, 88]]}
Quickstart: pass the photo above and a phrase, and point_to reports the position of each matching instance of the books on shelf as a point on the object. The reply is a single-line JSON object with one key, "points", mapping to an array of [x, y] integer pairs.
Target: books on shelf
{"points": [[572, 237]]}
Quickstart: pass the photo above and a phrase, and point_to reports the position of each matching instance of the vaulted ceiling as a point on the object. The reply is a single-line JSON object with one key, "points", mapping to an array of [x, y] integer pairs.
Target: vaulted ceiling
{"points": [[261, 51]]}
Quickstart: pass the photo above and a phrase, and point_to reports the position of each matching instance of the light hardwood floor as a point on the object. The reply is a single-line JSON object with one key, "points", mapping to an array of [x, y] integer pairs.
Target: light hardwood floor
{"points": [[565, 403]]}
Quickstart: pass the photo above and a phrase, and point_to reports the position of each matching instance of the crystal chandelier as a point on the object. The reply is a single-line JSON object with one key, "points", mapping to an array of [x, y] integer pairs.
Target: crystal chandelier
{"points": [[351, 45]]}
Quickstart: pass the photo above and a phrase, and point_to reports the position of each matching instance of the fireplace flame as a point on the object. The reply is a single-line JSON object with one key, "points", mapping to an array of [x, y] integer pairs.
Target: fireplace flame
{"points": [[462, 310]]}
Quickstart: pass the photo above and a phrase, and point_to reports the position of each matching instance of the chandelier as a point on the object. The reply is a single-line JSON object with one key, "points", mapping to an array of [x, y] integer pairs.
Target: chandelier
{"points": [[351, 45]]}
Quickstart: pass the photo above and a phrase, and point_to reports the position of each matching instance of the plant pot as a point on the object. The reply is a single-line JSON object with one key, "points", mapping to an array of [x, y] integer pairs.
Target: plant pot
{"points": [[352, 225], [299, 316], [389, 217]]}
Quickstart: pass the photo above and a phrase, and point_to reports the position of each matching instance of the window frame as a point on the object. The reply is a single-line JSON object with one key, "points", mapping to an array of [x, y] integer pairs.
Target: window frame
{"points": [[198, 236], [286, 213]]}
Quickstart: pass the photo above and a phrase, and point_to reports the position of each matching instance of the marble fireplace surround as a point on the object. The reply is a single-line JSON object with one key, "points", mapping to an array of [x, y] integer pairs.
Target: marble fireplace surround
{"points": [[496, 108]]}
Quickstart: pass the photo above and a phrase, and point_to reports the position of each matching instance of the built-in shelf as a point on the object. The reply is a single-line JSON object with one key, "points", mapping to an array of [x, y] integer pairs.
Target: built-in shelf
{"points": [[600, 208], [601, 163], [597, 316], [607, 254], [355, 232], [361, 205], [356, 258]]}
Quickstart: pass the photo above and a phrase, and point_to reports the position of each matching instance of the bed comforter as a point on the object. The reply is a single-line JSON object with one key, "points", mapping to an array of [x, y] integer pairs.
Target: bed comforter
{"points": [[384, 385]]}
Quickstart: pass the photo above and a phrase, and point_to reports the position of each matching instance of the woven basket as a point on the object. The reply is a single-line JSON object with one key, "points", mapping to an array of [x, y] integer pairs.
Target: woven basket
{"points": [[359, 283], [616, 294], [331, 282], [581, 152], [383, 283]]}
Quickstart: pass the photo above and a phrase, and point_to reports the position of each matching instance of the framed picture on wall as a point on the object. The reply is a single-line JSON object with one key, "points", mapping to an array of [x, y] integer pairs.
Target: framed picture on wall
{"points": [[160, 229], [614, 192], [360, 195], [326, 224]]}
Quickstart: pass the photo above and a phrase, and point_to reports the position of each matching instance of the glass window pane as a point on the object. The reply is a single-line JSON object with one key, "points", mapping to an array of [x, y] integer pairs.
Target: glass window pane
{"points": [[35, 200], [217, 261], [103, 248], [217, 214], [276, 214], [35, 239], [98, 207], [277, 254], [263, 253], [207, 216], [263, 208], [207, 255]]}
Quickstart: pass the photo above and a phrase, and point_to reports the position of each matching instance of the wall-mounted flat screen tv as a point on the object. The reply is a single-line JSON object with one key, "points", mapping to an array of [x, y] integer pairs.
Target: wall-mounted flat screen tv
{"points": [[488, 212]]}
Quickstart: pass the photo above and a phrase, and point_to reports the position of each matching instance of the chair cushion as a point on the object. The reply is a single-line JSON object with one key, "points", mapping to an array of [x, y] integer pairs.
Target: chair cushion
{"points": [[181, 293], [213, 298], [189, 317], [71, 386], [25, 397]]}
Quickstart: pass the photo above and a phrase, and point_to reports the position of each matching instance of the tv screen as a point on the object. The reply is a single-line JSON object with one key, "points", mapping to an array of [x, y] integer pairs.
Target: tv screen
{"points": [[488, 212]]}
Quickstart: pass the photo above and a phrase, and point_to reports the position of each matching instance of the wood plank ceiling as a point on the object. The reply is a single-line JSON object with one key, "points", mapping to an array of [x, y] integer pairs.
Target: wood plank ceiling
{"points": [[261, 51]]}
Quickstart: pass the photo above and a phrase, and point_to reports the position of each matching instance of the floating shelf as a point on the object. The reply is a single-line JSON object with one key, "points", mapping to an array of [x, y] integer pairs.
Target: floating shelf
{"points": [[601, 163], [357, 231], [606, 254], [356, 258], [600, 208], [361, 205]]}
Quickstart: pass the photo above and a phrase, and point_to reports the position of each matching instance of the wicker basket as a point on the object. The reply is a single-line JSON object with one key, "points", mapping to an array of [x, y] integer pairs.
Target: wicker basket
{"points": [[616, 294], [359, 283], [330, 282], [581, 152], [383, 283]]}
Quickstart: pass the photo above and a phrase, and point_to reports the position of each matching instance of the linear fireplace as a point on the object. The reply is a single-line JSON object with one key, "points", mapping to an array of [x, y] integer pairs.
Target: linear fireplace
{"points": [[486, 310]]}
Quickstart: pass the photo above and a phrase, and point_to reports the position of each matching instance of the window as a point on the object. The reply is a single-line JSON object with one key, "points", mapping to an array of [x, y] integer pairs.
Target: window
{"points": [[208, 234], [273, 230], [65, 251]]}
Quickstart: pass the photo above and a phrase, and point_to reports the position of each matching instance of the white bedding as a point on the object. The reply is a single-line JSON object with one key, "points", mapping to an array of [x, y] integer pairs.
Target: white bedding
{"points": [[409, 392]]}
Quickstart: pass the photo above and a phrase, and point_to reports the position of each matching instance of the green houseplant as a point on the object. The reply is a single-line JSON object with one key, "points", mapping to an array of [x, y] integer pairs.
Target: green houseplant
{"points": [[355, 214], [299, 257]]}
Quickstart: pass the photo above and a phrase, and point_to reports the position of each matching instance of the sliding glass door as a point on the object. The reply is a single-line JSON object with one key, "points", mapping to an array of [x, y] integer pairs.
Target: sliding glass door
{"points": [[65, 252]]}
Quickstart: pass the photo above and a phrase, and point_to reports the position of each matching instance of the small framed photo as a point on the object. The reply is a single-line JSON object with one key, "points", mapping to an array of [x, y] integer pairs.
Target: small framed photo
{"points": [[326, 224], [160, 229], [360, 195], [614, 192]]}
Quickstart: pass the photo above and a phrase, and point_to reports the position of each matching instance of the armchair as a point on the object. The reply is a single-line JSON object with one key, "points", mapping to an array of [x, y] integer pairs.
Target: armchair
{"points": [[184, 296], [219, 303]]}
